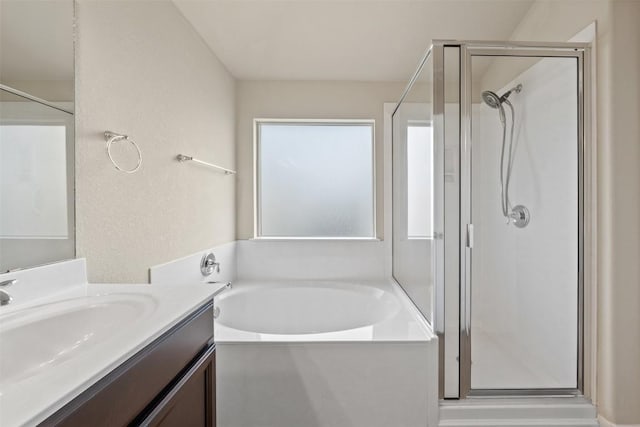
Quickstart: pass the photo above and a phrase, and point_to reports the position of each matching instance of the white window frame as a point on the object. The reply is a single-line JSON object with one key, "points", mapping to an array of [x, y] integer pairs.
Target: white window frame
{"points": [[257, 220]]}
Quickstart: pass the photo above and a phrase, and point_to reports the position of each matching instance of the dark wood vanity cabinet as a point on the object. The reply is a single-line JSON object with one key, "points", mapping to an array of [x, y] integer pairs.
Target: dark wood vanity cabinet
{"points": [[191, 402], [169, 383]]}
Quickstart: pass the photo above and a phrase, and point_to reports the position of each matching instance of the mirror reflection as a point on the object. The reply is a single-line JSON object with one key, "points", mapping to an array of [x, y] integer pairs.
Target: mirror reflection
{"points": [[36, 133], [36, 41]]}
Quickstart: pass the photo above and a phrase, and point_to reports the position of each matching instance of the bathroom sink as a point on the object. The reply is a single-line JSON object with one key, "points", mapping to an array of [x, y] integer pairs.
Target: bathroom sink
{"points": [[41, 337]]}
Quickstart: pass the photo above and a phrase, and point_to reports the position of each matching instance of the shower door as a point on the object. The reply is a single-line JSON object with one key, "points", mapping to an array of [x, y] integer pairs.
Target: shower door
{"points": [[521, 220], [497, 265]]}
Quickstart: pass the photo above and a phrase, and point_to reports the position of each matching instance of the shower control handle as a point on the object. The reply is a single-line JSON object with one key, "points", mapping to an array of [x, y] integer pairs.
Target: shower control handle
{"points": [[520, 216], [470, 236]]}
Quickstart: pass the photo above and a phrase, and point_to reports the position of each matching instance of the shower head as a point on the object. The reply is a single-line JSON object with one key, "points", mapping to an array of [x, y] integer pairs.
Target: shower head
{"points": [[494, 101], [491, 99]]}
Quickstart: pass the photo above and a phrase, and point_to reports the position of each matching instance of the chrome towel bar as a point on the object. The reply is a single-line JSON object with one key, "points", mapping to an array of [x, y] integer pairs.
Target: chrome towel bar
{"points": [[183, 158]]}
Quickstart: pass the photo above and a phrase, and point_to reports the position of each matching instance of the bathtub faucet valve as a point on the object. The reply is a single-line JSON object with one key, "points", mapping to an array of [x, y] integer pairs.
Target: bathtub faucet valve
{"points": [[209, 264]]}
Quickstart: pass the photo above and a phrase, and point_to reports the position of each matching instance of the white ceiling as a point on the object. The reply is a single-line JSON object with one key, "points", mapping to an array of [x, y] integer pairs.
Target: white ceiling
{"points": [[365, 40]]}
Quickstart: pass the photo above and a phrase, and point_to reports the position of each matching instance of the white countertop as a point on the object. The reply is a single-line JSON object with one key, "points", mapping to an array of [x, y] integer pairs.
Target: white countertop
{"points": [[30, 400]]}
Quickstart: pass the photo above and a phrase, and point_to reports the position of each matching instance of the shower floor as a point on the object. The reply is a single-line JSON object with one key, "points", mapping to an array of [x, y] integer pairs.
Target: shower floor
{"points": [[496, 364]]}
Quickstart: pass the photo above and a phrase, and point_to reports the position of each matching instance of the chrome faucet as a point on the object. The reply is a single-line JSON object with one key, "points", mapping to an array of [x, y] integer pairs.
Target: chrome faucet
{"points": [[5, 298]]}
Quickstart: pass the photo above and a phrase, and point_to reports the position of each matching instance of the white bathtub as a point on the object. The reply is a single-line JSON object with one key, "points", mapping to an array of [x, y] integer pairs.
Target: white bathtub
{"points": [[310, 353]]}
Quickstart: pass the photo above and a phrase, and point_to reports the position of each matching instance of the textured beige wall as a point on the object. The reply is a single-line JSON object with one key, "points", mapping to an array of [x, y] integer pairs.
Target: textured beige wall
{"points": [[618, 182], [142, 70], [305, 100]]}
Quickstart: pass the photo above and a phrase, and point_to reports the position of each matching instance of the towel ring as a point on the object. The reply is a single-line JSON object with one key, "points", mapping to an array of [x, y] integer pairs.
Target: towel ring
{"points": [[112, 137]]}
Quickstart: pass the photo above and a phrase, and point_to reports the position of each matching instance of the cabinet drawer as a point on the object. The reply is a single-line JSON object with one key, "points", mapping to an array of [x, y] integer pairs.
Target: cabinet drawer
{"points": [[190, 401], [118, 398]]}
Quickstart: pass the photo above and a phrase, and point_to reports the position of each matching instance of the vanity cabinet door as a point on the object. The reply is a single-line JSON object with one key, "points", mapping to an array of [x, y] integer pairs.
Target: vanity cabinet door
{"points": [[191, 402]]}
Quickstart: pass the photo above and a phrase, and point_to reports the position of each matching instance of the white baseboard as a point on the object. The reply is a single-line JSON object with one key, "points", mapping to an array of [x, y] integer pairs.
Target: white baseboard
{"points": [[606, 423]]}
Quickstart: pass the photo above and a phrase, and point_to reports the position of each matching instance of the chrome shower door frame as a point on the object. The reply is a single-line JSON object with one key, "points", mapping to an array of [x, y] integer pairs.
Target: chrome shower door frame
{"points": [[459, 288]]}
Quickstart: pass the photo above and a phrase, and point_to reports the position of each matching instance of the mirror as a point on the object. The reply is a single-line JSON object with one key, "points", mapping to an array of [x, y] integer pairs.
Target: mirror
{"points": [[37, 211]]}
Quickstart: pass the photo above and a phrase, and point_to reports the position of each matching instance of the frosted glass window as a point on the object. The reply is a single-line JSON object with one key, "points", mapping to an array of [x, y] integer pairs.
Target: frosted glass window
{"points": [[33, 182], [419, 182], [315, 180]]}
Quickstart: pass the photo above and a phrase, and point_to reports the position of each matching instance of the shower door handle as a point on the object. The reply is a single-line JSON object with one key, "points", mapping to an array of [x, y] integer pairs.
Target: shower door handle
{"points": [[470, 236]]}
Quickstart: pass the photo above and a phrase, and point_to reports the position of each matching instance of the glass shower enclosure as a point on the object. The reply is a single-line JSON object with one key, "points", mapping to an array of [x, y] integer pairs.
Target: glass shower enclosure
{"points": [[488, 212]]}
